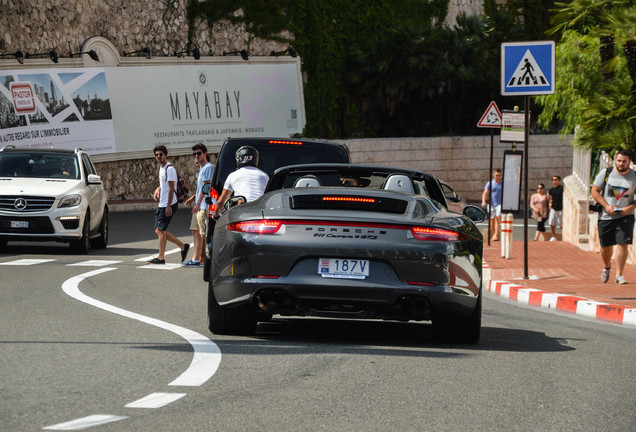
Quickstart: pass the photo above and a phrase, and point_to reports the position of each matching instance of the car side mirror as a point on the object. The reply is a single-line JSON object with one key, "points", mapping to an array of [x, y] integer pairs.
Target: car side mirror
{"points": [[94, 179], [474, 213]]}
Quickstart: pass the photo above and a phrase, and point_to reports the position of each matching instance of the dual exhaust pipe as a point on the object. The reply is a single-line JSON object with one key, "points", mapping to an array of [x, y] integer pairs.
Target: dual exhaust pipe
{"points": [[270, 300], [416, 306]]}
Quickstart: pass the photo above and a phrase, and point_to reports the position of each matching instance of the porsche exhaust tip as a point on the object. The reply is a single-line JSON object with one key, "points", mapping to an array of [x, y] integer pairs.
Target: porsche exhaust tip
{"points": [[268, 300]]}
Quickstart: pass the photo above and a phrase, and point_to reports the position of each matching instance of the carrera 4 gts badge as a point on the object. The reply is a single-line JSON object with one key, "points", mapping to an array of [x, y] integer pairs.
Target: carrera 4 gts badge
{"points": [[346, 233]]}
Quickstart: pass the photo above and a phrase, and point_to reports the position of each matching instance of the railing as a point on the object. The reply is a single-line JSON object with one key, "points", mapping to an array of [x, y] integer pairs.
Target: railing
{"points": [[581, 168]]}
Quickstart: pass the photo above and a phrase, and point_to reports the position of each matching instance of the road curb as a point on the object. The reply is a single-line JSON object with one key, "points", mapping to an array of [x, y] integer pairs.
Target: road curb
{"points": [[562, 302]]}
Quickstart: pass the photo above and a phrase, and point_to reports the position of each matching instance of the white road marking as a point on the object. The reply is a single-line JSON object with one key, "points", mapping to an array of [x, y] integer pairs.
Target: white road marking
{"points": [[207, 355], [86, 422], [155, 400], [93, 263], [26, 262]]}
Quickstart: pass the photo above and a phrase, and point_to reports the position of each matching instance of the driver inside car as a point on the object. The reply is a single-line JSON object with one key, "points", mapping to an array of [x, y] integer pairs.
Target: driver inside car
{"points": [[247, 181]]}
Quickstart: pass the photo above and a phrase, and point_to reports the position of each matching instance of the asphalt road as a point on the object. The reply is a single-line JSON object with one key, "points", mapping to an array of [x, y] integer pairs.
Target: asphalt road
{"points": [[128, 345]]}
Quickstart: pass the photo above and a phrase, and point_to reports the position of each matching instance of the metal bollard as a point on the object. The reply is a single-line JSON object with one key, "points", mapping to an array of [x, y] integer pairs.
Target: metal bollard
{"points": [[506, 235]]}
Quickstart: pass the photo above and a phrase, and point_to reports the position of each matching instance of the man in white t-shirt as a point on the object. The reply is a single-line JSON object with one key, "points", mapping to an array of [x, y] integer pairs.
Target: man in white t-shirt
{"points": [[247, 180], [616, 193], [166, 196]]}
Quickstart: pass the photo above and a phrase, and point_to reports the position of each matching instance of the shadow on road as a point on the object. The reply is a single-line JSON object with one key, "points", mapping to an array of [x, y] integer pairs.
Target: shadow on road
{"points": [[289, 335]]}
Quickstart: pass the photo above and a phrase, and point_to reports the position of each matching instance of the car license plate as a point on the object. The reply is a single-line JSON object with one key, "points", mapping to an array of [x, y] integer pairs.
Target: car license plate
{"points": [[19, 224], [343, 268]]}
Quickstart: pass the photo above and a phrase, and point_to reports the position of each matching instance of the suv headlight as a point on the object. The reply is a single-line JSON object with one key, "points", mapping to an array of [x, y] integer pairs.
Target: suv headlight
{"points": [[70, 201]]}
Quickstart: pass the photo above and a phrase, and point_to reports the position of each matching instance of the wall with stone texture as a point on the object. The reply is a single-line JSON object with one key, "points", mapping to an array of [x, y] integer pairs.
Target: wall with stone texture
{"points": [[461, 161], [470, 7], [37, 26], [137, 179]]}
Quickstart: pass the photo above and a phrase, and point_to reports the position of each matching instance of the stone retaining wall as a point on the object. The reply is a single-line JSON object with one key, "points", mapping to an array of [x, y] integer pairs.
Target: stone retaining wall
{"points": [[37, 26]]}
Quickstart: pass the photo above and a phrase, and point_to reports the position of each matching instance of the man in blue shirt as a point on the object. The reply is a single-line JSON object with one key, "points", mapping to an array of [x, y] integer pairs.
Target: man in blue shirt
{"points": [[495, 201], [200, 209]]}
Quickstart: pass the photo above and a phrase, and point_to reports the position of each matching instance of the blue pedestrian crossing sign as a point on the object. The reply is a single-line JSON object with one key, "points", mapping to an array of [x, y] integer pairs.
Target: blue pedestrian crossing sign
{"points": [[527, 68]]}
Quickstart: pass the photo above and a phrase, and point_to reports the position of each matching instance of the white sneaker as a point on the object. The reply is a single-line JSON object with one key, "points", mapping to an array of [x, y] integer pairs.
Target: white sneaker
{"points": [[553, 239], [605, 274], [620, 280]]}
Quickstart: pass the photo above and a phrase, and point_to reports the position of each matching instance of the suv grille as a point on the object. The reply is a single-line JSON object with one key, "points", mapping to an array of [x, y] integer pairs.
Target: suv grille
{"points": [[22, 204]]}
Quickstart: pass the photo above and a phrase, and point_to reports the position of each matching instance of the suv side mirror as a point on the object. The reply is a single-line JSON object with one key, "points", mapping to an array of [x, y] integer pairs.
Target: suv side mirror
{"points": [[94, 179]]}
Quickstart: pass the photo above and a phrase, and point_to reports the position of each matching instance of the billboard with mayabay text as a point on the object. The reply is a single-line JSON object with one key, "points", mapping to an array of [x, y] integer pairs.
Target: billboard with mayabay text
{"points": [[131, 109], [179, 106]]}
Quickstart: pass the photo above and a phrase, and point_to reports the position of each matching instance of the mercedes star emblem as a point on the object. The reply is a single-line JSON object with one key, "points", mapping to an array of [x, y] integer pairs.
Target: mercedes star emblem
{"points": [[20, 204]]}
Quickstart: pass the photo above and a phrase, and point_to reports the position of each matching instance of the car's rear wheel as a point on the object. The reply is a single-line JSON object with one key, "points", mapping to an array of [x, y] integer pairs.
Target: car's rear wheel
{"points": [[237, 320], [102, 241], [82, 245], [460, 329]]}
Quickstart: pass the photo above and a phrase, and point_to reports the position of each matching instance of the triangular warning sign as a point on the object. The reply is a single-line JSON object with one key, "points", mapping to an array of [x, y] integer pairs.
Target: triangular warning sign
{"points": [[491, 118], [528, 73]]}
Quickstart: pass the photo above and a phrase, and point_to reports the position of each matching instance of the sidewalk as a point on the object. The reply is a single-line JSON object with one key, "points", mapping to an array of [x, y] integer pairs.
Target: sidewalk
{"points": [[560, 276]]}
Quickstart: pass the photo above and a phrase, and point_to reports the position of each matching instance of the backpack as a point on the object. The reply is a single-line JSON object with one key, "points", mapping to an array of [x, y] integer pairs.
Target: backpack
{"points": [[182, 190], [596, 207]]}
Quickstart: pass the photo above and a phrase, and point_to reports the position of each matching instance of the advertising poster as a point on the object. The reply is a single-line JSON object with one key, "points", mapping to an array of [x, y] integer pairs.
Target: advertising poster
{"points": [[61, 108], [179, 106], [513, 127], [135, 108]]}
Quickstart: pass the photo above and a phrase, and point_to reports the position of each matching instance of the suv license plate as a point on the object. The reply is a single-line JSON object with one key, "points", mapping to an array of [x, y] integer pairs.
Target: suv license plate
{"points": [[19, 224], [343, 268]]}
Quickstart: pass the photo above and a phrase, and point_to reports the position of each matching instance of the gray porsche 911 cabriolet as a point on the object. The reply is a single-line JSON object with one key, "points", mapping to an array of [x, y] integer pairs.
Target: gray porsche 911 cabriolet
{"points": [[348, 241]]}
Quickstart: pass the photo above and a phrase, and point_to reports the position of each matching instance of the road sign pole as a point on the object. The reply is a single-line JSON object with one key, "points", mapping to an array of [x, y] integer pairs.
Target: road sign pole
{"points": [[525, 181], [492, 138], [527, 68]]}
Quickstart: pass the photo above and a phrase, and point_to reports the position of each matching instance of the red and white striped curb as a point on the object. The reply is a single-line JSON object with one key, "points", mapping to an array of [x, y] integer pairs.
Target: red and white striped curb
{"points": [[561, 302]]}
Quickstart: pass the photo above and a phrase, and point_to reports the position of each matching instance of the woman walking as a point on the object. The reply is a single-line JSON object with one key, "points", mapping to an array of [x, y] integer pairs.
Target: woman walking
{"points": [[539, 205]]}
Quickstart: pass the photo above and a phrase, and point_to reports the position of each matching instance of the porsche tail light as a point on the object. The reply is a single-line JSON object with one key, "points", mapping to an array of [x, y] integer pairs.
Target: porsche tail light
{"points": [[434, 234], [256, 226]]}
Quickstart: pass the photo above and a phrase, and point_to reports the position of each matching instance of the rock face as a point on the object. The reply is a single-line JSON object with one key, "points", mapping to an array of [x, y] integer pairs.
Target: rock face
{"points": [[37, 26]]}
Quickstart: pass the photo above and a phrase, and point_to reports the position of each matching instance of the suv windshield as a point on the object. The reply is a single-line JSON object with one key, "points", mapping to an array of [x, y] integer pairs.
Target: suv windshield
{"points": [[39, 165]]}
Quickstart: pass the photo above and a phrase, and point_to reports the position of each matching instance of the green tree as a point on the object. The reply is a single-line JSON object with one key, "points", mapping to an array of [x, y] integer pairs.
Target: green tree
{"points": [[596, 73]]}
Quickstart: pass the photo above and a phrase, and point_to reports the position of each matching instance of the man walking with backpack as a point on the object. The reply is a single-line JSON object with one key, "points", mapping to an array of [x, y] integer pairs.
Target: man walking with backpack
{"points": [[166, 196], [615, 193]]}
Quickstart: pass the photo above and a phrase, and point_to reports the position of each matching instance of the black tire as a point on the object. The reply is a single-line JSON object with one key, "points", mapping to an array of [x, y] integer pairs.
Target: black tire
{"points": [[82, 245], [102, 241], [237, 320], [457, 329]]}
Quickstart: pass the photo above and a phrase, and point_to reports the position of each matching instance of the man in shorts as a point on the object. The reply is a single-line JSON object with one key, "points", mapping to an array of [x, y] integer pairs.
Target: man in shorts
{"points": [[166, 196], [200, 209], [616, 220], [495, 203], [555, 204]]}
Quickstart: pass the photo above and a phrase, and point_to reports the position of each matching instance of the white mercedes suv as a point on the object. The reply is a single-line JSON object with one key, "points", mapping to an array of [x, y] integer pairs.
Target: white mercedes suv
{"points": [[52, 195]]}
